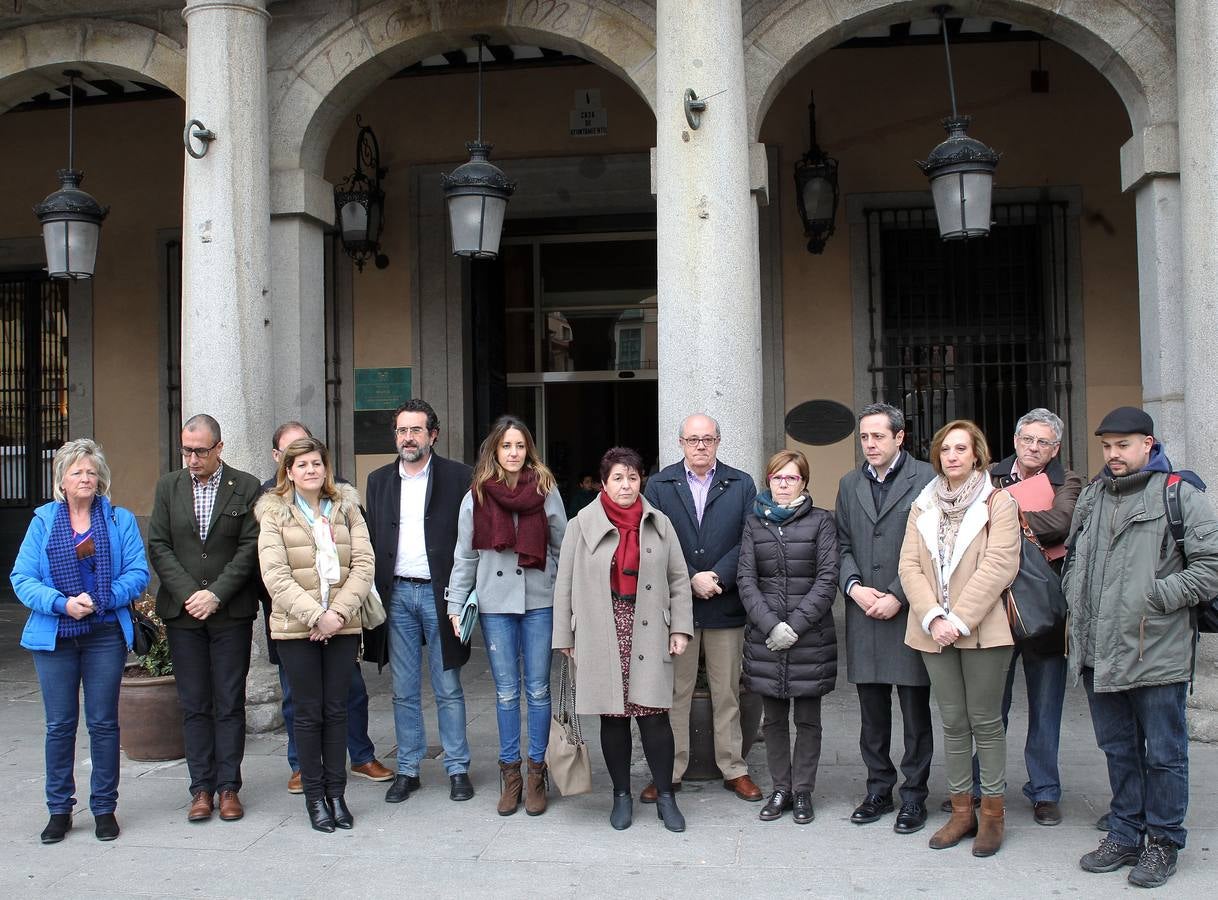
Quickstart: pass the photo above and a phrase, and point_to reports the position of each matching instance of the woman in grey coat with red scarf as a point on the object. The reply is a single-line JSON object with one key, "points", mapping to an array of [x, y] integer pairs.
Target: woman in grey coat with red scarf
{"points": [[509, 531], [788, 580]]}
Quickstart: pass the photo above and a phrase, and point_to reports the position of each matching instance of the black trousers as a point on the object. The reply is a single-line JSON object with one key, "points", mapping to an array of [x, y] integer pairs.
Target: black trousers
{"points": [[875, 739], [792, 771], [320, 674], [655, 732], [209, 666]]}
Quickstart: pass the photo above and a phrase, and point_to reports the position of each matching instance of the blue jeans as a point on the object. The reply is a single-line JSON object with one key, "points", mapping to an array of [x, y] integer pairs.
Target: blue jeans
{"points": [[508, 638], [412, 620], [359, 746], [1045, 677], [95, 659], [1144, 736]]}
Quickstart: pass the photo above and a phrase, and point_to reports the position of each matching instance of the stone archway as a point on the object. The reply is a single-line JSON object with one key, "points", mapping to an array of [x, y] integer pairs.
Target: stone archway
{"points": [[32, 58]]}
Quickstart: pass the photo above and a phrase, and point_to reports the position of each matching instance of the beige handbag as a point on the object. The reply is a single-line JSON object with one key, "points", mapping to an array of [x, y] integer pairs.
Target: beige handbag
{"points": [[566, 753], [372, 611]]}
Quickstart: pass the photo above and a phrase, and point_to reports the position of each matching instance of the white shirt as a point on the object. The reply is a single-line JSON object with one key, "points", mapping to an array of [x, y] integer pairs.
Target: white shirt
{"points": [[411, 560]]}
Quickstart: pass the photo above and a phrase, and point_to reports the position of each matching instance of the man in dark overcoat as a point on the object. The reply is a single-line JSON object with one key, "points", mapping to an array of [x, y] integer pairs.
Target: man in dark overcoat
{"points": [[872, 510], [412, 521]]}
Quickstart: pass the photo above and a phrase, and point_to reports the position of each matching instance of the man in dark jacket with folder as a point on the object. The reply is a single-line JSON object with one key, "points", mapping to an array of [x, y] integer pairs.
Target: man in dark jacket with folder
{"points": [[1047, 493]]}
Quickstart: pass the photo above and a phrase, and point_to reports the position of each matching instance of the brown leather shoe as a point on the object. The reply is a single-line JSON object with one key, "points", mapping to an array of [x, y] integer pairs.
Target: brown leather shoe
{"points": [[230, 806], [513, 785], [373, 771], [962, 824], [650, 793], [294, 785], [991, 826], [743, 788], [535, 789], [200, 807]]}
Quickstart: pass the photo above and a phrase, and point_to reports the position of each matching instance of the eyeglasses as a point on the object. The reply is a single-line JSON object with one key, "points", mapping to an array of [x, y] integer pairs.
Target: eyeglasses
{"points": [[200, 452], [706, 440], [415, 431], [1038, 443], [786, 479]]}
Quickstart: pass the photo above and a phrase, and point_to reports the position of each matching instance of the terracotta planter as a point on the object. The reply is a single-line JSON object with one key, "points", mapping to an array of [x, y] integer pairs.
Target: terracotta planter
{"points": [[149, 720], [702, 766]]}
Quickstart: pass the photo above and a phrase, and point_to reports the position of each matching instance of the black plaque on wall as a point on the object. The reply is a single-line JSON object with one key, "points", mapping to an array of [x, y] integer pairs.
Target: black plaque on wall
{"points": [[374, 431], [820, 422]]}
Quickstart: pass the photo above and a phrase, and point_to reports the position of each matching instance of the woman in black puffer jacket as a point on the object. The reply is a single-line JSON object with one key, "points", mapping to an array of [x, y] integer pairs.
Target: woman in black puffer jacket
{"points": [[788, 580]]}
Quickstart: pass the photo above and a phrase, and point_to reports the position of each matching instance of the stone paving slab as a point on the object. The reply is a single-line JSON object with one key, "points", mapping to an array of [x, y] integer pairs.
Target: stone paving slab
{"points": [[432, 847]]}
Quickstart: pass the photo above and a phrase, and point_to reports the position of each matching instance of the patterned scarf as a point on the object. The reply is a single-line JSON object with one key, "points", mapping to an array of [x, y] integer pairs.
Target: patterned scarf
{"points": [[953, 504], [770, 509], [65, 567], [493, 525], [624, 574]]}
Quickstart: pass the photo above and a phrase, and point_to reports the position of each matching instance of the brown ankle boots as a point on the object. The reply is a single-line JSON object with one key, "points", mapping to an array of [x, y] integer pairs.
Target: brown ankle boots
{"points": [[992, 826], [509, 777], [535, 789], [962, 824]]}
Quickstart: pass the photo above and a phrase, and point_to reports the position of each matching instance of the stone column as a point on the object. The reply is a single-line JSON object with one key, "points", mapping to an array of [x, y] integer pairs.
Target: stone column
{"points": [[1197, 84], [706, 218], [226, 314]]}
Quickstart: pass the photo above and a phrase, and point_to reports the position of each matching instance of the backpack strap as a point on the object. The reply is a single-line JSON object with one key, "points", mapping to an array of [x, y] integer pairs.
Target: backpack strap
{"points": [[1175, 515]]}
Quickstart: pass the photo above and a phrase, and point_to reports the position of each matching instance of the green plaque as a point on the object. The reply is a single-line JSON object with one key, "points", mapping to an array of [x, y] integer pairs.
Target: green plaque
{"points": [[386, 388]]}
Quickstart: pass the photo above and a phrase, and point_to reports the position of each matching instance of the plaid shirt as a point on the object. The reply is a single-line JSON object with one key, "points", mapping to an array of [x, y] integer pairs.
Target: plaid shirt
{"points": [[205, 499]]}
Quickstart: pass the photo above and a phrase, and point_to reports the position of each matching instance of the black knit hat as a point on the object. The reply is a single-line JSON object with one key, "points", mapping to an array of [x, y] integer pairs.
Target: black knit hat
{"points": [[1126, 420]]}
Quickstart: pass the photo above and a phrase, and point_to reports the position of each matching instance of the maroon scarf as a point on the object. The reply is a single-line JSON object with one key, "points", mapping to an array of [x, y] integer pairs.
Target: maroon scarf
{"points": [[624, 574], [493, 525]]}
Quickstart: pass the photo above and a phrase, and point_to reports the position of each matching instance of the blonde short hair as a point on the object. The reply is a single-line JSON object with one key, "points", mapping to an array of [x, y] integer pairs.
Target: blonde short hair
{"points": [[69, 455]]}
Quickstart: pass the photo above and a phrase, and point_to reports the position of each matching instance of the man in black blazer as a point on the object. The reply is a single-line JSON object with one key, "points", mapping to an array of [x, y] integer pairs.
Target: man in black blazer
{"points": [[203, 544], [412, 520]]}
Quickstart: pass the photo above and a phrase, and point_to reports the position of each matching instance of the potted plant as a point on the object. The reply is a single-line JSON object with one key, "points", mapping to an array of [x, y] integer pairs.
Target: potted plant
{"points": [[149, 719], [702, 766]]}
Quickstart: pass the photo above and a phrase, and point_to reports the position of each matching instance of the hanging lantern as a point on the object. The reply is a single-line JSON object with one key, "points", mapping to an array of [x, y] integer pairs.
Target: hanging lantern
{"points": [[816, 191], [359, 202]]}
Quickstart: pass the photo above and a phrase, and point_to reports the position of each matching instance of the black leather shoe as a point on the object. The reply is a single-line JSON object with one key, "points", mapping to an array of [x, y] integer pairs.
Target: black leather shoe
{"points": [[320, 816], [403, 786], [911, 818], [666, 810], [1046, 812], [946, 805], [870, 810], [59, 825], [460, 787], [339, 812], [105, 826], [803, 812], [780, 801], [622, 815]]}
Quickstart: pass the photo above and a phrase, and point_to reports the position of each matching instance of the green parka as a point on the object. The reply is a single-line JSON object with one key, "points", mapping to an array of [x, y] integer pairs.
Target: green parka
{"points": [[1126, 581]]}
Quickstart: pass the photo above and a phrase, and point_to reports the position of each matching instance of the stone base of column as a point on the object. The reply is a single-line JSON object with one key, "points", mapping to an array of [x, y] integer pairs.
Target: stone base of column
{"points": [[263, 709], [1203, 702]]}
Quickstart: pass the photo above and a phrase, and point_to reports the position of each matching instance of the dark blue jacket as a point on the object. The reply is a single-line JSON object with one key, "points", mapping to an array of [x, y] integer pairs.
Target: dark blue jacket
{"points": [[713, 546]]}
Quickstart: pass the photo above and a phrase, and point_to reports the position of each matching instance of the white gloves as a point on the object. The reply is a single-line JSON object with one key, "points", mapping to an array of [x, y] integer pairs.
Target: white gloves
{"points": [[782, 637]]}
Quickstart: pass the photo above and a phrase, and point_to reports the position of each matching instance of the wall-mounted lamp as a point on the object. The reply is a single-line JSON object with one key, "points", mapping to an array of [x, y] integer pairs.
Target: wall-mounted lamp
{"points": [[359, 202], [477, 192], [71, 219], [816, 189], [961, 169]]}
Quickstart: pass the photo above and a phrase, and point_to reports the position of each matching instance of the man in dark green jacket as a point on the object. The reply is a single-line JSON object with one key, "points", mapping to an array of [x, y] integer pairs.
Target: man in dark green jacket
{"points": [[1132, 639], [203, 543]]}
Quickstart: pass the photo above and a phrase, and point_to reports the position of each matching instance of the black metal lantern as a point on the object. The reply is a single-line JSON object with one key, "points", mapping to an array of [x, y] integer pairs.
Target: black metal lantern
{"points": [[71, 219], [961, 169], [359, 202], [816, 189], [477, 193]]}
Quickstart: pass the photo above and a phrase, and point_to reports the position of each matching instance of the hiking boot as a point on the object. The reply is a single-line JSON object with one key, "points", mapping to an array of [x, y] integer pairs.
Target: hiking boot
{"points": [[1109, 856], [1156, 864]]}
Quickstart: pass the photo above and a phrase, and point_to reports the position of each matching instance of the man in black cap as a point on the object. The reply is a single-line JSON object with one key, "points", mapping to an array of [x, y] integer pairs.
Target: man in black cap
{"points": [[1131, 592]]}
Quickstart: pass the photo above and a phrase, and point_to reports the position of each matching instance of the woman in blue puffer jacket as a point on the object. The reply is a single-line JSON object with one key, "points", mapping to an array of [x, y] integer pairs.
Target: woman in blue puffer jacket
{"points": [[79, 567]]}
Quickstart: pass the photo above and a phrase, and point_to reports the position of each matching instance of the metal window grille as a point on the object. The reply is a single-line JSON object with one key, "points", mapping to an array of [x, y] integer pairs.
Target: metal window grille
{"points": [[970, 329], [33, 384]]}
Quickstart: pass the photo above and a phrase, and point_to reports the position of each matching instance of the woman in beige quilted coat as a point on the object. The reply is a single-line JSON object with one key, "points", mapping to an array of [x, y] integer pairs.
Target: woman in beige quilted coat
{"points": [[317, 564]]}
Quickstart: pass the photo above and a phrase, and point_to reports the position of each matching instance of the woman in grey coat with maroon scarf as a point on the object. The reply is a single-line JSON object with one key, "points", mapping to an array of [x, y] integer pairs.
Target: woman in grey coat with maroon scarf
{"points": [[788, 580]]}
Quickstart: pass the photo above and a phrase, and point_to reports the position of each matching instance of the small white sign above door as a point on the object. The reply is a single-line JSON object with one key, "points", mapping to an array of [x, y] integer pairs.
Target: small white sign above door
{"points": [[589, 118]]}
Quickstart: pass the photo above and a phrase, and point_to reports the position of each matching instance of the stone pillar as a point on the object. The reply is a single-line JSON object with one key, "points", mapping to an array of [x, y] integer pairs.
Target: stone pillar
{"points": [[706, 219], [1197, 84], [226, 314]]}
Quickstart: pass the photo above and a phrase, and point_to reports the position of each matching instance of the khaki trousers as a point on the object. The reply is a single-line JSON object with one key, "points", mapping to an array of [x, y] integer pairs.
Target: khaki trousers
{"points": [[724, 648]]}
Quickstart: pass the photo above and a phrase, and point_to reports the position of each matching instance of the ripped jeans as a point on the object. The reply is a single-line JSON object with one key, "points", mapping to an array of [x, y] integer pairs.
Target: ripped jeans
{"points": [[509, 639]]}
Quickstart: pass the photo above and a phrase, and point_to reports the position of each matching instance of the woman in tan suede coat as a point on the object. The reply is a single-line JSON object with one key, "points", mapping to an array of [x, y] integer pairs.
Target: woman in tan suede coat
{"points": [[960, 554], [317, 565]]}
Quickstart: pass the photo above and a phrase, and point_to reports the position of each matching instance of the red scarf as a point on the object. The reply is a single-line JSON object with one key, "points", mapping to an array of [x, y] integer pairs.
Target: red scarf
{"points": [[624, 573], [493, 525]]}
